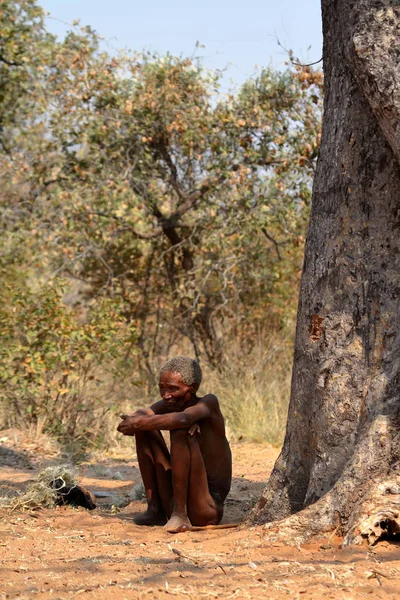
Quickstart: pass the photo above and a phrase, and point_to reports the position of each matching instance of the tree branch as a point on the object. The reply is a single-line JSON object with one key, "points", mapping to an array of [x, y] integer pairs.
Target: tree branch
{"points": [[174, 181], [5, 148], [188, 201], [10, 63], [273, 240], [195, 196], [142, 236]]}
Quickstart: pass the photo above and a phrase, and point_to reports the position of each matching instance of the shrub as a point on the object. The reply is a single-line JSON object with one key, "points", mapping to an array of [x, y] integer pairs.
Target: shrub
{"points": [[52, 362]]}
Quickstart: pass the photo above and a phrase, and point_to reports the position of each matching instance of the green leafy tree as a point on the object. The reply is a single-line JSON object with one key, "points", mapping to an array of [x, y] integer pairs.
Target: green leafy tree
{"points": [[133, 175], [50, 359], [167, 197]]}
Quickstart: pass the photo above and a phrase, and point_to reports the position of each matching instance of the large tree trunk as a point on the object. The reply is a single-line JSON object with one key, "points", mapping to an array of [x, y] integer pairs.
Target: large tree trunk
{"points": [[342, 448]]}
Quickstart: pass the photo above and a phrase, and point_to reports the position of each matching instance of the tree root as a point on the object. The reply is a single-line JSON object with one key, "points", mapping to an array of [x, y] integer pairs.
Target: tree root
{"points": [[375, 516], [301, 527], [378, 515], [364, 503]]}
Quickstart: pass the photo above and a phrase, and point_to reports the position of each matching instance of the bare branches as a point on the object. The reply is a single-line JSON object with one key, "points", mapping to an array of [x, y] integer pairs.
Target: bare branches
{"points": [[273, 240], [311, 64]]}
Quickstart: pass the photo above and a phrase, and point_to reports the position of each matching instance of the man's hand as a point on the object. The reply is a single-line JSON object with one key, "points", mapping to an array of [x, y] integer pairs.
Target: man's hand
{"points": [[194, 429], [128, 424]]}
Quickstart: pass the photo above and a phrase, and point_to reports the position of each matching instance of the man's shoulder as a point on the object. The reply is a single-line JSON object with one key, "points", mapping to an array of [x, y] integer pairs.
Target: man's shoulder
{"points": [[210, 399]]}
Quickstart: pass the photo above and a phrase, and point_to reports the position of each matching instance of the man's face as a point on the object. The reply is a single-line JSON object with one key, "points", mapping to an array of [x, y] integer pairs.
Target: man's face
{"points": [[174, 392]]}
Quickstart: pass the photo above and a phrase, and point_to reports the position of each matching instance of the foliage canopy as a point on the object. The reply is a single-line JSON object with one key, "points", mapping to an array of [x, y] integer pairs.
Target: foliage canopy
{"points": [[172, 212]]}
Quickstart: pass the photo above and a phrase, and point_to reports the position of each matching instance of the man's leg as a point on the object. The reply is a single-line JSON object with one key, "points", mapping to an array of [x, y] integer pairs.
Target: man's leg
{"points": [[180, 464], [202, 506], [192, 502], [155, 468]]}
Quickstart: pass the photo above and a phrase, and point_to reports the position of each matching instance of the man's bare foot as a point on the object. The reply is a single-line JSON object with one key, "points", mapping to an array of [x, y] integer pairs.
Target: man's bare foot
{"points": [[177, 524], [150, 518]]}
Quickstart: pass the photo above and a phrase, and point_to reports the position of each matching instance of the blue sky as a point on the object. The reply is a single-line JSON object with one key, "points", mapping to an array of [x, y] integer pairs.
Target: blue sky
{"points": [[236, 33]]}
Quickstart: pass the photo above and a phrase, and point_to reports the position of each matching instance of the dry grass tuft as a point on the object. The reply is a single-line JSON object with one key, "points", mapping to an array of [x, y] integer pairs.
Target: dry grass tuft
{"points": [[39, 494]]}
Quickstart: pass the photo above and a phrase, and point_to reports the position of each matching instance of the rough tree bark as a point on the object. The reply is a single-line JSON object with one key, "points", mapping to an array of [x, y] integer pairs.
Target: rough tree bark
{"points": [[339, 465]]}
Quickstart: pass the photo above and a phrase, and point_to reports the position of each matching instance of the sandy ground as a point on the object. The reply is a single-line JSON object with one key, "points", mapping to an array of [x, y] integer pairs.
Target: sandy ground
{"points": [[67, 553]]}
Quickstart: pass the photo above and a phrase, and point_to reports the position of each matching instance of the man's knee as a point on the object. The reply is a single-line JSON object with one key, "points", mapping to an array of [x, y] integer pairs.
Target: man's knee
{"points": [[182, 436], [144, 438], [141, 436], [179, 436]]}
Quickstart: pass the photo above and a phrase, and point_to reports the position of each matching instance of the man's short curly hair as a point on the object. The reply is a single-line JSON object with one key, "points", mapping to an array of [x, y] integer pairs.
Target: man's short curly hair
{"points": [[188, 368]]}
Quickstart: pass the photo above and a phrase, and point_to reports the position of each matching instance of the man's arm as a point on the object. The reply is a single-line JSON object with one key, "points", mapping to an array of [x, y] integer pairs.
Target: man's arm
{"points": [[177, 420], [158, 408]]}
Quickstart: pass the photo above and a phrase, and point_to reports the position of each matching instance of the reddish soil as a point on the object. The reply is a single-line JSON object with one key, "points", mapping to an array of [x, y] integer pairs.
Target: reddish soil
{"points": [[66, 553]]}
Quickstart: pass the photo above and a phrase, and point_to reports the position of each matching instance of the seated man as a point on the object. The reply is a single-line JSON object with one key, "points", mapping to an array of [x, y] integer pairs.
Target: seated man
{"points": [[189, 485]]}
